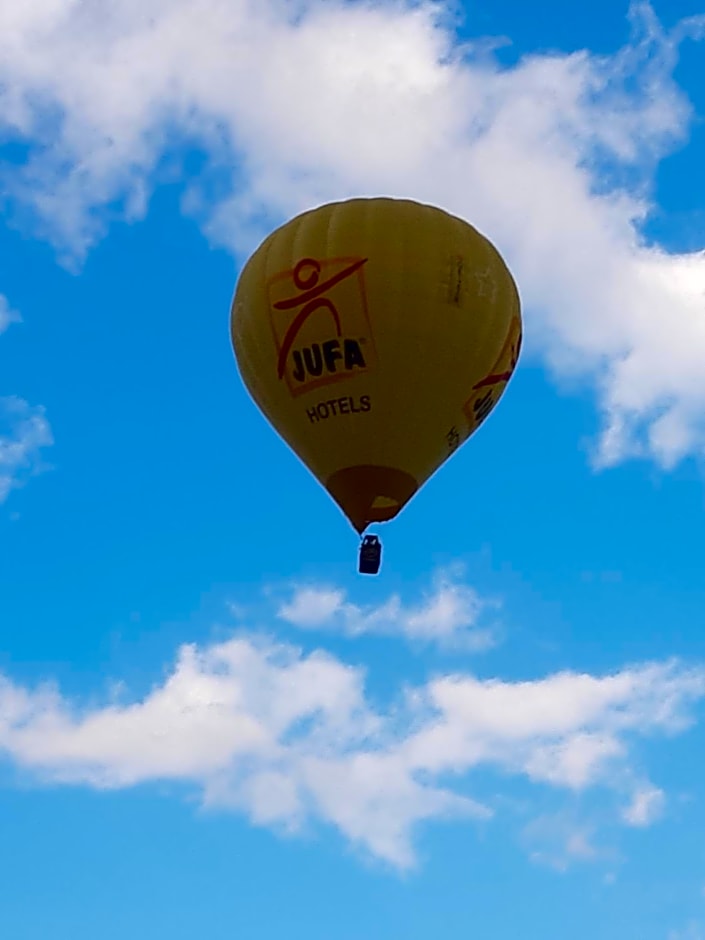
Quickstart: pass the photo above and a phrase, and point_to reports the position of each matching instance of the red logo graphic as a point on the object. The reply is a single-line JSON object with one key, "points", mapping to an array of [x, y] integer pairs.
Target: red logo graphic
{"points": [[497, 378], [489, 390], [322, 333]]}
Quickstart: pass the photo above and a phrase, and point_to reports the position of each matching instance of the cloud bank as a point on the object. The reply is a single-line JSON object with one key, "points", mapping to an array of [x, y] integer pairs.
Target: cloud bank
{"points": [[290, 740]]}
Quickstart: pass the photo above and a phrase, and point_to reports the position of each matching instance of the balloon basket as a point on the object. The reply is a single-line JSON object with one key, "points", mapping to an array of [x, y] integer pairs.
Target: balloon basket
{"points": [[370, 555]]}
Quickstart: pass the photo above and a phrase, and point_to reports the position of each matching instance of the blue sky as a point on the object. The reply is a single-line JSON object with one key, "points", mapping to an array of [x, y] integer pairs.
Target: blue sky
{"points": [[208, 721]]}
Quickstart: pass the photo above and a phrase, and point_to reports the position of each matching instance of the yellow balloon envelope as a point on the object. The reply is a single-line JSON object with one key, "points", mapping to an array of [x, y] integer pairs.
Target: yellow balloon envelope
{"points": [[376, 335]]}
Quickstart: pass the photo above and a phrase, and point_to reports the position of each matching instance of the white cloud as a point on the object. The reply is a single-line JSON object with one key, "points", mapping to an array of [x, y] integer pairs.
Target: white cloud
{"points": [[313, 607], [553, 158], [449, 615], [24, 431], [568, 730], [375, 799], [291, 739]]}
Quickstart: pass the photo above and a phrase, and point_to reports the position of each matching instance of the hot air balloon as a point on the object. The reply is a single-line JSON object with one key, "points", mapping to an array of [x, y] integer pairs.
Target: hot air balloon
{"points": [[376, 335]]}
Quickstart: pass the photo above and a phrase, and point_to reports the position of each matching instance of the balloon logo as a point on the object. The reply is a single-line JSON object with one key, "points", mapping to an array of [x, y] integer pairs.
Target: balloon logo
{"points": [[310, 366], [376, 336]]}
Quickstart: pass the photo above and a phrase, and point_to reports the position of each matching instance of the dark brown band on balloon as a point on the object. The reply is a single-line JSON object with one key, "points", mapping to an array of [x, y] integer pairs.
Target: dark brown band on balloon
{"points": [[357, 489]]}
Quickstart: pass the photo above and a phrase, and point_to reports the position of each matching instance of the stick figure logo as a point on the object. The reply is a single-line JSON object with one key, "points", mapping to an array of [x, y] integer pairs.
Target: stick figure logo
{"points": [[322, 330]]}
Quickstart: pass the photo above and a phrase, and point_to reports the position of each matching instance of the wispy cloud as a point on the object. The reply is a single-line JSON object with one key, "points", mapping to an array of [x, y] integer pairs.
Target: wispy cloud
{"points": [[559, 841], [645, 807], [692, 931], [289, 739], [553, 157], [24, 432], [7, 314], [453, 614]]}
